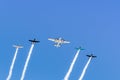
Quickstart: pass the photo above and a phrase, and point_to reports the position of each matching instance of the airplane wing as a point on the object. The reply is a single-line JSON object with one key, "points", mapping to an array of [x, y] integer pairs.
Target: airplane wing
{"points": [[66, 42], [30, 40], [94, 56], [51, 39], [37, 41], [88, 55]]}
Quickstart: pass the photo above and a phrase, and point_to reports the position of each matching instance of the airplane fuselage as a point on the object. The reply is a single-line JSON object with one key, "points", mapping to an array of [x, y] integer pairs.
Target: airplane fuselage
{"points": [[59, 41]]}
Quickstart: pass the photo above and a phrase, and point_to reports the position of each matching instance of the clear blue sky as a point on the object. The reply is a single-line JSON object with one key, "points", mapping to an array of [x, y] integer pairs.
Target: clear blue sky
{"points": [[94, 25]]}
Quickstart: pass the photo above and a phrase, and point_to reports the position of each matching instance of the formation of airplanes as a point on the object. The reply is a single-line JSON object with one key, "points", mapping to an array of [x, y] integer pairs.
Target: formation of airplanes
{"points": [[58, 41]]}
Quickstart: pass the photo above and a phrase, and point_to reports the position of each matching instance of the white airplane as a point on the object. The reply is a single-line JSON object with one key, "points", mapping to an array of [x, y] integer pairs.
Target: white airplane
{"points": [[58, 41], [16, 46]]}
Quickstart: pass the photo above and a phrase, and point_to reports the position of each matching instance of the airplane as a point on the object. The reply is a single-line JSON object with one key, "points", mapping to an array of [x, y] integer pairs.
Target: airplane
{"points": [[34, 41], [58, 41], [91, 55], [80, 48], [16, 46]]}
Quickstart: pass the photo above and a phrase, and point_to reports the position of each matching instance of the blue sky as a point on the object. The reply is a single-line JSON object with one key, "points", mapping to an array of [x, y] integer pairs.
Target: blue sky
{"points": [[94, 25]]}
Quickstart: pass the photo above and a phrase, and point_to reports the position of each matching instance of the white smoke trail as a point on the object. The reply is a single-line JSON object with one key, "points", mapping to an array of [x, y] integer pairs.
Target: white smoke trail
{"points": [[26, 63], [12, 65], [85, 68], [71, 66]]}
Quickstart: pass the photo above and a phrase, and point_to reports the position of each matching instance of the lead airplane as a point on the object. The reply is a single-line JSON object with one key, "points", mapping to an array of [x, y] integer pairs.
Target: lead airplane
{"points": [[58, 41]]}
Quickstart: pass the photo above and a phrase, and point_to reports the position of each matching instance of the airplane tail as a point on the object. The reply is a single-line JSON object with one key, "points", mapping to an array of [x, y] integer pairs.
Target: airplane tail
{"points": [[57, 45]]}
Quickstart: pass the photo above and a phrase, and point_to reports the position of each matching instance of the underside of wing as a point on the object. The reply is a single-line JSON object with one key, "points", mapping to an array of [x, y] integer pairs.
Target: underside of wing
{"points": [[66, 42], [51, 39], [37, 41]]}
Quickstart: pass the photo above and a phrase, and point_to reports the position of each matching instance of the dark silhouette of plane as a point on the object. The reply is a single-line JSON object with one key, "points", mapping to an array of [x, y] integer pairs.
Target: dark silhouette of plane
{"points": [[91, 55], [34, 41]]}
